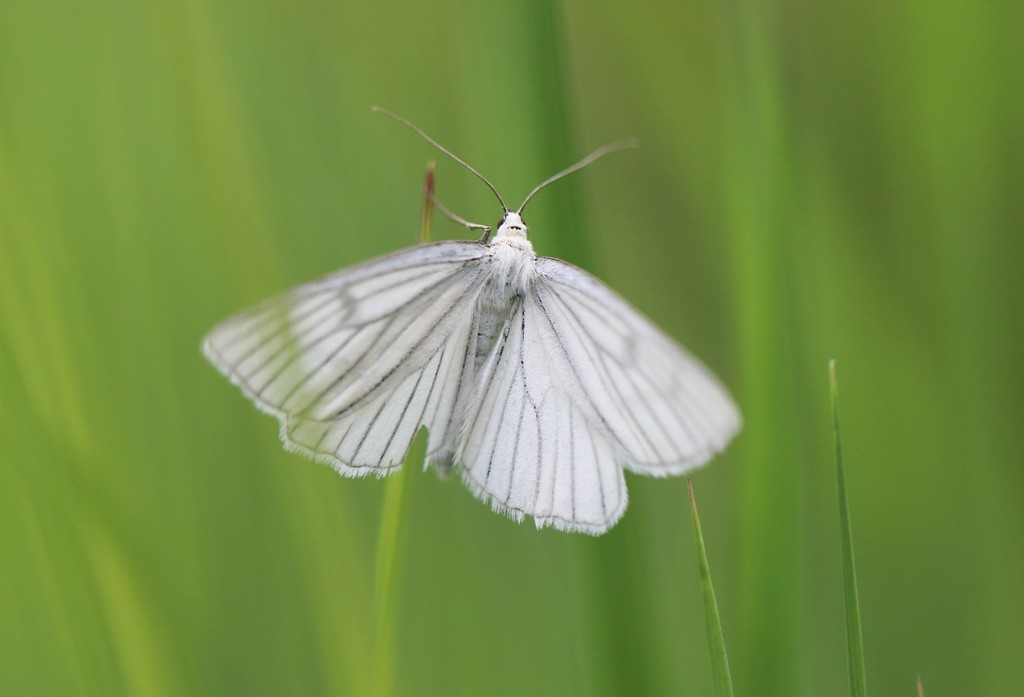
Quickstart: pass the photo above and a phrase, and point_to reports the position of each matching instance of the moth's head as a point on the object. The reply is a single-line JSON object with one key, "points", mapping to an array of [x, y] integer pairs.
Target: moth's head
{"points": [[511, 225]]}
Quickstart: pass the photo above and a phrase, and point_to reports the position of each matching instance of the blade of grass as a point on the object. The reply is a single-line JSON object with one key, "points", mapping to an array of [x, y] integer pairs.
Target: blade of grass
{"points": [[712, 622], [391, 518], [854, 640], [920, 687], [763, 207], [428, 203], [387, 552]]}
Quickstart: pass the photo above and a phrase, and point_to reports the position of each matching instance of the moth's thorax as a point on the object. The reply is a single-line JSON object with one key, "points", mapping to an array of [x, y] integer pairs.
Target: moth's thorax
{"points": [[513, 267]]}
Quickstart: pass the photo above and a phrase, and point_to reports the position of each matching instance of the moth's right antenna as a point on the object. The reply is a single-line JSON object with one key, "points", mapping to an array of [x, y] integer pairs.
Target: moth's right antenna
{"points": [[600, 152], [446, 151]]}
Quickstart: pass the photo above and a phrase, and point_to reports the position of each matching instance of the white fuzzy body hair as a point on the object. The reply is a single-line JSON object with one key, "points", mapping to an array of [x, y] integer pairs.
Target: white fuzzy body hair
{"points": [[515, 262], [513, 269]]}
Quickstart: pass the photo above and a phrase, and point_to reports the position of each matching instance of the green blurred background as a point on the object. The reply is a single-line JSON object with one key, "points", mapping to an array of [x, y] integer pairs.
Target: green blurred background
{"points": [[815, 180]]}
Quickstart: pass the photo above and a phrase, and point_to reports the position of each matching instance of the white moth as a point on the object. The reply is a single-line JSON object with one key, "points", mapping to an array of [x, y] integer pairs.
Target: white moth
{"points": [[535, 381]]}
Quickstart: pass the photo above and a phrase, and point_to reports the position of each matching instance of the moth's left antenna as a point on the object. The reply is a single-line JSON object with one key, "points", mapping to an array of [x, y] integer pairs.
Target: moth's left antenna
{"points": [[446, 151]]}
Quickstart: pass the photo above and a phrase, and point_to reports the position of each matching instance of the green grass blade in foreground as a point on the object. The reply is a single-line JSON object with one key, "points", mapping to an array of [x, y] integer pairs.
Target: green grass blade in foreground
{"points": [[854, 640], [387, 562], [716, 641], [391, 518]]}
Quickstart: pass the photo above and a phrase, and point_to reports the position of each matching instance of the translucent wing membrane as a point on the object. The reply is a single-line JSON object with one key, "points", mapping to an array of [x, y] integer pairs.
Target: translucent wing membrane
{"points": [[527, 447], [662, 410], [578, 386], [352, 365]]}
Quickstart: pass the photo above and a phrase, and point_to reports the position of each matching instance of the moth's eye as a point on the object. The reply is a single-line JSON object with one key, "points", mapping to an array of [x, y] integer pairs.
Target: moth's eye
{"points": [[501, 221]]}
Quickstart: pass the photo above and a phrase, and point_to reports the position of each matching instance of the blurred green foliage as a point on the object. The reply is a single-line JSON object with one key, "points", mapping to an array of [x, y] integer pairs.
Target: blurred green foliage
{"points": [[815, 180]]}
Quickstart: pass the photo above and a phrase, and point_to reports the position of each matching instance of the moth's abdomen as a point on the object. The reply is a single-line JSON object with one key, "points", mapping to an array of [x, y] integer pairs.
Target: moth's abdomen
{"points": [[491, 320]]}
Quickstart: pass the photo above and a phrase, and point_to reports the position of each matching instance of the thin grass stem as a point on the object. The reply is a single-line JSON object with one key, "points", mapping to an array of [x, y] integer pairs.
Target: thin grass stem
{"points": [[854, 639], [387, 561], [712, 621], [428, 203], [392, 518]]}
